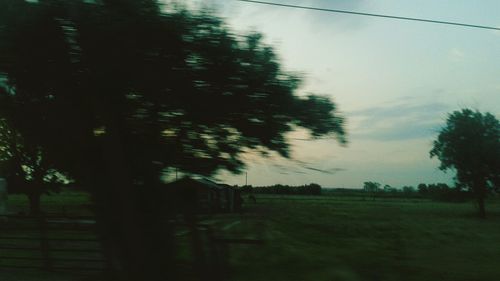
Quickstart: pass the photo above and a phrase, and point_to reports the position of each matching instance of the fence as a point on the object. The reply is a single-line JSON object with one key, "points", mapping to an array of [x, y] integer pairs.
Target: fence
{"points": [[50, 243], [70, 244]]}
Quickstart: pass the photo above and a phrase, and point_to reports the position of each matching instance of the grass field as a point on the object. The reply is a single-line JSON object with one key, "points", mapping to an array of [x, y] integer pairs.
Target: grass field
{"points": [[348, 238], [394, 239], [71, 203]]}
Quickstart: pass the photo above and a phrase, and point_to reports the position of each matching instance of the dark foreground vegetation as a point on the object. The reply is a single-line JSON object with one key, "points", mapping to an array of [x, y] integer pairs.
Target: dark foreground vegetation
{"points": [[345, 238]]}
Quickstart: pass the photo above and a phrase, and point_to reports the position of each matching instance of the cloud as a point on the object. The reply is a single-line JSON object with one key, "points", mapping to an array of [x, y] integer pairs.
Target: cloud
{"points": [[402, 131], [456, 55], [400, 121]]}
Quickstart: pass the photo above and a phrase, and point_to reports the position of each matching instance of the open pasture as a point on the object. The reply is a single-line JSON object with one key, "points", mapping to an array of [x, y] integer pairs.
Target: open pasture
{"points": [[349, 238], [341, 238]]}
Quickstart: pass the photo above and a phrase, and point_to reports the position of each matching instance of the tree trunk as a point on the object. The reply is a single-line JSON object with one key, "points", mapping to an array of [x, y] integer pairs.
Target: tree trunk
{"points": [[134, 236], [482, 209], [480, 188], [136, 241], [34, 200]]}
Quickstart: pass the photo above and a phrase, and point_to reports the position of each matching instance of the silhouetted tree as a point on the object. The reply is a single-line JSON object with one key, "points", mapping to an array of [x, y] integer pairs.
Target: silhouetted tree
{"points": [[246, 188], [408, 190], [312, 189], [470, 144], [308, 189], [371, 186], [422, 189], [115, 92], [25, 168]]}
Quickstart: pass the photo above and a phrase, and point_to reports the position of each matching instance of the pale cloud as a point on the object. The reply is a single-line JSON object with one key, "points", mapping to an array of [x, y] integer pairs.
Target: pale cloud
{"points": [[456, 55], [399, 121]]}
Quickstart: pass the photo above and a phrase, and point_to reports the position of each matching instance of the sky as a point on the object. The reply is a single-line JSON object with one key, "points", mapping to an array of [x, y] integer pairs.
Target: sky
{"points": [[394, 82]]}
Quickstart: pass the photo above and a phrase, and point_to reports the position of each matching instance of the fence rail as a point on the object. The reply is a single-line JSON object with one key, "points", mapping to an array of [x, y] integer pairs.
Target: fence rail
{"points": [[45, 246], [70, 244]]}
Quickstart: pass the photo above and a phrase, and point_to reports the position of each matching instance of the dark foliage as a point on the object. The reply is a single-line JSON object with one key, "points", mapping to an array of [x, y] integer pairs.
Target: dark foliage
{"points": [[175, 88], [308, 189], [370, 186], [470, 145], [25, 168], [443, 192], [115, 92]]}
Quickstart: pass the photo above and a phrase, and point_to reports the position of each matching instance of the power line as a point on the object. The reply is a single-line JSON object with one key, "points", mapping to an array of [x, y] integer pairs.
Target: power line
{"points": [[371, 15]]}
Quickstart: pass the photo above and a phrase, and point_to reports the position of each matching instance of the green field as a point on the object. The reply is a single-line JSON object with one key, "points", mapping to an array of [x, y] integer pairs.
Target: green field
{"points": [[353, 239], [71, 203], [349, 238]]}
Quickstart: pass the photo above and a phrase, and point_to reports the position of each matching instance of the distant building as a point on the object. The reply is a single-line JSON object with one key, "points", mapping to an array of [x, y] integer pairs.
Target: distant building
{"points": [[202, 196]]}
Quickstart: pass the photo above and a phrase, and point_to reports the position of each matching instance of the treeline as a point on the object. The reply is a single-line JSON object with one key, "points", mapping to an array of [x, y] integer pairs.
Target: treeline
{"points": [[308, 189], [443, 192], [435, 191]]}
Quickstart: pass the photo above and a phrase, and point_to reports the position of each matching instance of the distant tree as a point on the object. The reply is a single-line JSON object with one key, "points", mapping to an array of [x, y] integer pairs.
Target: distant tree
{"points": [[470, 144], [26, 168], [246, 188], [314, 189], [422, 189], [408, 190], [309, 189], [444, 192], [370, 186]]}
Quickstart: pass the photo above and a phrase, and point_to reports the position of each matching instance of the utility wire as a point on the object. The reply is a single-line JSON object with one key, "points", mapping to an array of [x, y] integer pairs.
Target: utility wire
{"points": [[371, 15]]}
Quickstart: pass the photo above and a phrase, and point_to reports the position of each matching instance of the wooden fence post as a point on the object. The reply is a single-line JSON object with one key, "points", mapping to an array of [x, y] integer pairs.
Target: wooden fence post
{"points": [[44, 243]]}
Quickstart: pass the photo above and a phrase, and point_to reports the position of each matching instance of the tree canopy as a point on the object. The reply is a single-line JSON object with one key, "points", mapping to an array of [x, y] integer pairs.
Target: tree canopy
{"points": [[178, 88], [370, 186], [469, 144], [26, 168], [114, 92]]}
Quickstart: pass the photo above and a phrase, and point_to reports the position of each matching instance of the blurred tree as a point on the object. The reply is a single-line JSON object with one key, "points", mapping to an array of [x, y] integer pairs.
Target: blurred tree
{"points": [[422, 189], [313, 189], [308, 189], [408, 190], [116, 92], [470, 144], [370, 186]]}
